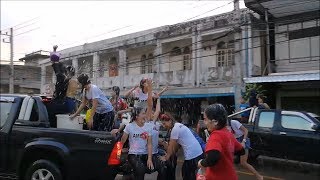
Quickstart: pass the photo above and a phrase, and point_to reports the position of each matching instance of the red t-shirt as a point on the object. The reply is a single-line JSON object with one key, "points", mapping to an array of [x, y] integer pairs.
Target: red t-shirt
{"points": [[120, 105], [224, 142]]}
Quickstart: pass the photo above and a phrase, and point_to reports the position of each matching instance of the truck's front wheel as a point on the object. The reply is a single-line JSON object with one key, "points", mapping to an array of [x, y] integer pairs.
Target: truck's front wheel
{"points": [[43, 170]]}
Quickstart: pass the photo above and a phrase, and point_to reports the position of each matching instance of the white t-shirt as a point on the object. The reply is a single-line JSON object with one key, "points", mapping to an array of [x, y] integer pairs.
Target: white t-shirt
{"points": [[104, 105], [155, 126], [235, 125], [190, 145], [140, 95], [138, 138], [141, 98]]}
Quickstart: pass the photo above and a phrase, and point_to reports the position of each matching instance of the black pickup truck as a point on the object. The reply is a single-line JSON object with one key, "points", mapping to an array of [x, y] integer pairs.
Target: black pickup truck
{"points": [[31, 150], [281, 134]]}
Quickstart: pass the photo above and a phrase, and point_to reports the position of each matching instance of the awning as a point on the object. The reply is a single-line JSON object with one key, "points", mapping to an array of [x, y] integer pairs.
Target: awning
{"points": [[284, 78], [281, 8], [179, 96]]}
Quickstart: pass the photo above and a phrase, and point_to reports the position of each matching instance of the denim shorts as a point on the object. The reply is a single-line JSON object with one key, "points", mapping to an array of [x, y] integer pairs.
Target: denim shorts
{"points": [[246, 144]]}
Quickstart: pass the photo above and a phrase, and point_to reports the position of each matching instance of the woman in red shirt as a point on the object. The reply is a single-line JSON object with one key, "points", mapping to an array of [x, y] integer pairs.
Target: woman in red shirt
{"points": [[221, 146]]}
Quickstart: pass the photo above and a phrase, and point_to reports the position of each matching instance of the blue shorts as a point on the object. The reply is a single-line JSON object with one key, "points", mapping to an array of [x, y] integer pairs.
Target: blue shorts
{"points": [[246, 144]]}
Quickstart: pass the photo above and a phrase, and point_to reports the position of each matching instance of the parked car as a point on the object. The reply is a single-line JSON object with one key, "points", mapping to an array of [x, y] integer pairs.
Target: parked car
{"points": [[30, 149], [289, 135]]}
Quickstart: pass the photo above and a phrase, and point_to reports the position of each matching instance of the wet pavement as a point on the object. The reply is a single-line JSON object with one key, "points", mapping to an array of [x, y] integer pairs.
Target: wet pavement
{"points": [[272, 171]]}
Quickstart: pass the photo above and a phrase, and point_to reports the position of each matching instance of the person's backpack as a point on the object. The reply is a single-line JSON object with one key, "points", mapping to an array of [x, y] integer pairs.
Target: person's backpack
{"points": [[199, 139]]}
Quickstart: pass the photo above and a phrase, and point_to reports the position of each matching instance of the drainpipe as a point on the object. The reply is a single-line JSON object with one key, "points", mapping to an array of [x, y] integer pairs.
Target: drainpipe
{"points": [[268, 41], [247, 52], [250, 51]]}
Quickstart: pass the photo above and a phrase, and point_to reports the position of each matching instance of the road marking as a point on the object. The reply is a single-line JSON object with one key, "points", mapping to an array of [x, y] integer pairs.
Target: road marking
{"points": [[264, 177]]}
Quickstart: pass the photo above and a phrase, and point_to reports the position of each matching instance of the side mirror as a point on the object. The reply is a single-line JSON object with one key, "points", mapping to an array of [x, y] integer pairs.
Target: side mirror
{"points": [[316, 127]]}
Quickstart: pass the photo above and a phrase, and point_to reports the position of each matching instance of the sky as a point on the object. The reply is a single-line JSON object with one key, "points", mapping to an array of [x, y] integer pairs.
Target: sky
{"points": [[38, 25]]}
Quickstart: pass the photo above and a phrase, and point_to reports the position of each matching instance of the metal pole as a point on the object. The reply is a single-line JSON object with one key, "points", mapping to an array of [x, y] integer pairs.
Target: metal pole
{"points": [[11, 79], [268, 42]]}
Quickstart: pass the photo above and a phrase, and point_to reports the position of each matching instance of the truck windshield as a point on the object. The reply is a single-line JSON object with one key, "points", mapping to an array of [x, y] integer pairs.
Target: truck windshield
{"points": [[5, 108]]}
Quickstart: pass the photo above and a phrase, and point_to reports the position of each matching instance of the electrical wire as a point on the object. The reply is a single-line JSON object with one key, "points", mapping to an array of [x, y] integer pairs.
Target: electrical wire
{"points": [[93, 71]]}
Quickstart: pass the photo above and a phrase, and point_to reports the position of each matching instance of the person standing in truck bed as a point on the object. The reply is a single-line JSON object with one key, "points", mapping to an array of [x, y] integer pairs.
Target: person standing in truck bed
{"points": [[102, 113]]}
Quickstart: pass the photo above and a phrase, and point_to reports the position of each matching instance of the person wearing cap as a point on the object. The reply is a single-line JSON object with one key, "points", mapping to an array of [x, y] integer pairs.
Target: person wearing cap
{"points": [[102, 113], [221, 146]]}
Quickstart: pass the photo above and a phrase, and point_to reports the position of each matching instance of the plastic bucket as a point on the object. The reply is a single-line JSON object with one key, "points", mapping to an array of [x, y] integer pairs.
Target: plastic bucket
{"points": [[64, 121]]}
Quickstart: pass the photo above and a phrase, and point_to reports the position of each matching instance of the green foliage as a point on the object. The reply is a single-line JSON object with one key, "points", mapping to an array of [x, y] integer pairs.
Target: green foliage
{"points": [[257, 87]]}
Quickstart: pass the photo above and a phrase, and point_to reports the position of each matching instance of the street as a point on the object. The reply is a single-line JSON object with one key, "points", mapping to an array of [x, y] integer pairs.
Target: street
{"points": [[270, 172]]}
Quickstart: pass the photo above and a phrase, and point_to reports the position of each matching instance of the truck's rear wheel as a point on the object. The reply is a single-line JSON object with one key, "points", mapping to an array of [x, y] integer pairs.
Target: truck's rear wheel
{"points": [[43, 170]]}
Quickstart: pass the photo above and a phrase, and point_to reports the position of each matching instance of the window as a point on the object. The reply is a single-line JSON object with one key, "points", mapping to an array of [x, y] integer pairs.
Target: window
{"points": [[295, 122], [149, 63], [127, 65], [266, 119], [186, 50], [303, 33], [34, 117], [113, 67], [187, 63], [176, 51], [5, 108], [143, 64], [225, 52]]}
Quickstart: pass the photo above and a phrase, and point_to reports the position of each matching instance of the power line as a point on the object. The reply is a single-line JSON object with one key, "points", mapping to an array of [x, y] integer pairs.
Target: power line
{"points": [[21, 23], [210, 55], [27, 31], [208, 11]]}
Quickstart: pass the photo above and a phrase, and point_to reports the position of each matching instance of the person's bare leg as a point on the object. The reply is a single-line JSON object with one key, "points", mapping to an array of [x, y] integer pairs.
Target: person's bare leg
{"points": [[244, 163]]}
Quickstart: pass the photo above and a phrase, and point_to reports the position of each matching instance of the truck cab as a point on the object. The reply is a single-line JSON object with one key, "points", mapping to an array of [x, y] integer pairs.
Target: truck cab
{"points": [[290, 135], [30, 148]]}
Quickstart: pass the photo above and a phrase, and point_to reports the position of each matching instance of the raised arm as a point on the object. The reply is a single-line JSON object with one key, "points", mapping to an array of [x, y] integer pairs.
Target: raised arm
{"points": [[128, 93], [149, 100], [157, 112], [163, 90]]}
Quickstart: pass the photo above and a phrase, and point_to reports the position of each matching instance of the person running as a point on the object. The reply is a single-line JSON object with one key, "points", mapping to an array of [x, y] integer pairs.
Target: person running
{"points": [[245, 115], [181, 135], [221, 146], [140, 142], [241, 134], [102, 113]]}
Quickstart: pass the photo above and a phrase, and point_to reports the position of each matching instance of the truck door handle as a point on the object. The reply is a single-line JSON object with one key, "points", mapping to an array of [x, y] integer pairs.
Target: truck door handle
{"points": [[283, 133]]}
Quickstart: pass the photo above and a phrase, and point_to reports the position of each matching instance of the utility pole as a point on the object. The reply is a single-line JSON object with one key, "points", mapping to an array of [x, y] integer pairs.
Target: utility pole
{"points": [[11, 80], [237, 49], [268, 42], [11, 73]]}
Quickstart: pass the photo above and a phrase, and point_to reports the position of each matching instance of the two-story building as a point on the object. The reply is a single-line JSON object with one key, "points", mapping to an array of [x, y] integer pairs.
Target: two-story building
{"points": [[26, 77], [294, 29], [199, 59]]}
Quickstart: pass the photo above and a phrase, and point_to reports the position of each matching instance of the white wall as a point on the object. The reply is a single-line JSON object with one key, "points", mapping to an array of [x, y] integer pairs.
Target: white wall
{"points": [[296, 54]]}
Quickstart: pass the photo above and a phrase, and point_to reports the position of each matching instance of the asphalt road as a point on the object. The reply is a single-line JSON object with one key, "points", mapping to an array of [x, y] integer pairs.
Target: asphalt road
{"points": [[269, 171]]}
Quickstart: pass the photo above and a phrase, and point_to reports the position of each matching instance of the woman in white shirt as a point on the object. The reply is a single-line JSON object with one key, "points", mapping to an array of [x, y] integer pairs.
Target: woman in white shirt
{"points": [[140, 141], [181, 135], [241, 134]]}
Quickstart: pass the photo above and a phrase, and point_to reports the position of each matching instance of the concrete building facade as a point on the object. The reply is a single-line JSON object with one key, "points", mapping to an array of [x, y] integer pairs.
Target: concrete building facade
{"points": [[294, 29], [203, 58]]}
